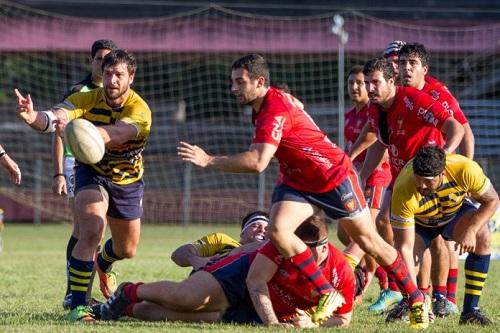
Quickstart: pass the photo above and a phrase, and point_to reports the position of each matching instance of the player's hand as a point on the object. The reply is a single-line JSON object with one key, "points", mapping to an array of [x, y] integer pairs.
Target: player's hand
{"points": [[59, 185], [12, 169], [303, 320], [25, 107], [60, 125], [193, 154], [465, 241]]}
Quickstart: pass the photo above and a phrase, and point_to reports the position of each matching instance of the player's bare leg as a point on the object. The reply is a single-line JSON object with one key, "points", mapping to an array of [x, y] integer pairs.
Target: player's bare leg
{"points": [[365, 236], [153, 312], [90, 206], [286, 216], [439, 276]]}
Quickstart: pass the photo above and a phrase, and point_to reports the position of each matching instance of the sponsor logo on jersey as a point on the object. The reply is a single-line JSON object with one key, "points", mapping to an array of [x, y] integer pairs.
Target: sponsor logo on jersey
{"points": [[278, 124], [408, 104]]}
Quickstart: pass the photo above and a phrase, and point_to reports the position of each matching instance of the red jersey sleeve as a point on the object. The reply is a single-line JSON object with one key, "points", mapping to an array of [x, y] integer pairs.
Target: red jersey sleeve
{"points": [[429, 112], [273, 123]]}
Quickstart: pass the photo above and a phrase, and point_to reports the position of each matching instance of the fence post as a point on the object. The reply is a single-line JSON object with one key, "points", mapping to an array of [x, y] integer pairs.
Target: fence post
{"points": [[186, 194], [37, 213], [261, 191]]}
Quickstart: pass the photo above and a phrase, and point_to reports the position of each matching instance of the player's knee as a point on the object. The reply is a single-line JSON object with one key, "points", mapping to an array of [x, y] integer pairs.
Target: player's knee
{"points": [[483, 238]]}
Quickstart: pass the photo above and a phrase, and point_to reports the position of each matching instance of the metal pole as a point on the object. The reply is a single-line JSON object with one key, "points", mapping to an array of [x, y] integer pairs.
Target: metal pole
{"points": [[262, 191], [186, 197], [342, 37], [37, 214]]}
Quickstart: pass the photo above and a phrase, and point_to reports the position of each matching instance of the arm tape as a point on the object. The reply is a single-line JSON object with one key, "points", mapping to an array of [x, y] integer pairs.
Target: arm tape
{"points": [[51, 117]]}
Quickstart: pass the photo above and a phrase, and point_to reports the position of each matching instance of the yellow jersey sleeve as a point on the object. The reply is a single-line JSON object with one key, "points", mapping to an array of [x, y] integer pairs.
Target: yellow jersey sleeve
{"points": [[77, 104], [474, 178], [404, 202], [139, 115], [215, 243]]}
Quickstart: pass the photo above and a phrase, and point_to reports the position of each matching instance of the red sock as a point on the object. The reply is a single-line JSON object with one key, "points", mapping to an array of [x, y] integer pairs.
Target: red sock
{"points": [[393, 285], [425, 290], [451, 285], [383, 280], [441, 290], [400, 273], [305, 263], [131, 291]]}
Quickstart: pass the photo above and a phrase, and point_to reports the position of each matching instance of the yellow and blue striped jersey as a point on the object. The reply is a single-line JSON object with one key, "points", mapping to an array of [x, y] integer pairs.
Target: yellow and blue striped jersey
{"points": [[122, 165], [215, 243], [462, 177]]}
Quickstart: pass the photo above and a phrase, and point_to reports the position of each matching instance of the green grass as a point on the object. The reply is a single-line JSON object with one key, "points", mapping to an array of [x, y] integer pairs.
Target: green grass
{"points": [[32, 284]]}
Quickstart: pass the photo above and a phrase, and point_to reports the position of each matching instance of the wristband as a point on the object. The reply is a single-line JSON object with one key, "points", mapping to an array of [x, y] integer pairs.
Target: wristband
{"points": [[2, 153], [58, 174]]}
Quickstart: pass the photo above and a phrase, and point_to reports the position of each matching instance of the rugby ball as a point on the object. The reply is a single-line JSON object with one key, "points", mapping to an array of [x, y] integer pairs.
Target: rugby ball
{"points": [[84, 140]]}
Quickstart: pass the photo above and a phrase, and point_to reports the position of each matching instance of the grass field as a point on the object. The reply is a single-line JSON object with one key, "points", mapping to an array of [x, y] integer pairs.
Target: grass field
{"points": [[32, 283]]}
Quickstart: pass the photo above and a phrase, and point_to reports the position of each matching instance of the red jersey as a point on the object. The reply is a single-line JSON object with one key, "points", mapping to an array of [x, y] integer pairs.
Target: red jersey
{"points": [[442, 95], [412, 121], [354, 122], [290, 289], [435, 83], [308, 160]]}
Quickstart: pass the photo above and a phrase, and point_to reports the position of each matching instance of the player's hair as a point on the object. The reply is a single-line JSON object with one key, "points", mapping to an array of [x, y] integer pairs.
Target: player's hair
{"points": [[313, 230], [256, 66], [429, 161], [257, 216], [283, 86], [356, 69], [120, 56], [100, 44], [416, 50], [382, 65], [393, 48]]}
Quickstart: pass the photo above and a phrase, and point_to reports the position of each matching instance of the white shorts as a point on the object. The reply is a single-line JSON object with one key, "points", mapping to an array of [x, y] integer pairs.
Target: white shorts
{"points": [[69, 175]]}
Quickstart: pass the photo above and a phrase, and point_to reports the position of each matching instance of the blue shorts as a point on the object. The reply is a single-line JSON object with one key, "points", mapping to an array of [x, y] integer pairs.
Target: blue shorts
{"points": [[428, 234], [124, 201], [346, 200], [231, 273]]}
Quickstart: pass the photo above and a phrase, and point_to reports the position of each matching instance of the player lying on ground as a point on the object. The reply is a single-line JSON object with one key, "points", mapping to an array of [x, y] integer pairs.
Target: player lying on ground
{"points": [[215, 246], [315, 175], [429, 200], [218, 292]]}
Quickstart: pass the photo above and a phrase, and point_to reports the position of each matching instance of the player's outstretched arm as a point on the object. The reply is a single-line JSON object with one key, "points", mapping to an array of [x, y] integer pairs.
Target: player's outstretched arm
{"points": [[44, 121], [260, 273], [256, 159], [10, 167]]}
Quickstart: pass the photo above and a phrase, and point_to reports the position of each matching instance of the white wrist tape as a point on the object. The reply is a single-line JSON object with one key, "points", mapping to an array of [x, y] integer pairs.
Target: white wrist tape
{"points": [[51, 118]]}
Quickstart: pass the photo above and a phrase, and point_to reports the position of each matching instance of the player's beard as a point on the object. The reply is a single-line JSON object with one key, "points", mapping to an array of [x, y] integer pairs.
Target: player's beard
{"points": [[114, 94]]}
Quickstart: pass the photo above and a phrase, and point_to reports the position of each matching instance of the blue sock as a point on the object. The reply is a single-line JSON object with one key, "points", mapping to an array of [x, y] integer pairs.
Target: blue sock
{"points": [[476, 271], [107, 257], [79, 279]]}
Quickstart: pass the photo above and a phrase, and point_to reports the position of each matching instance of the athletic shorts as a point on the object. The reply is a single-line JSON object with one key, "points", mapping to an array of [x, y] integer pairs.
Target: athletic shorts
{"points": [[428, 234], [124, 201], [346, 200], [231, 273], [69, 175], [374, 195]]}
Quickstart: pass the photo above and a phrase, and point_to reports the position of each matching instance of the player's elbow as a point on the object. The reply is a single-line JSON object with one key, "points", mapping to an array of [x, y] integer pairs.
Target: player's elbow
{"points": [[260, 166]]}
